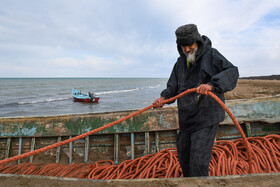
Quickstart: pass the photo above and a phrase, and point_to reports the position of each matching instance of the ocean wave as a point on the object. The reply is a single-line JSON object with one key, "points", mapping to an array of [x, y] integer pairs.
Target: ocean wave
{"points": [[44, 100], [154, 86], [128, 90], [12, 104], [116, 91]]}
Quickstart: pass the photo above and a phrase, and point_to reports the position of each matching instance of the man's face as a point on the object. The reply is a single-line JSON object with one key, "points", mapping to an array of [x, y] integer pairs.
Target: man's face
{"points": [[190, 52], [187, 50]]}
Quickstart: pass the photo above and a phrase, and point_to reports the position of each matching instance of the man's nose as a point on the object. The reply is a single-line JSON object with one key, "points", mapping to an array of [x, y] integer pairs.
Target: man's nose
{"points": [[186, 49]]}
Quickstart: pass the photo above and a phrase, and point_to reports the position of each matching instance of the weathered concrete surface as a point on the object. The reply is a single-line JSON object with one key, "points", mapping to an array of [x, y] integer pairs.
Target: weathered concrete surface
{"points": [[262, 180]]}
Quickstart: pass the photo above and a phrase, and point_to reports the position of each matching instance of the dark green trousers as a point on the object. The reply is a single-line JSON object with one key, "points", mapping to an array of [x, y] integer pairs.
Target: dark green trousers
{"points": [[195, 150]]}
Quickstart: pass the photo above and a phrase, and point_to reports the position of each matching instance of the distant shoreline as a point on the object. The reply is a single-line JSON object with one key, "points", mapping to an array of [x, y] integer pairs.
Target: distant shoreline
{"points": [[269, 77], [83, 77], [266, 77]]}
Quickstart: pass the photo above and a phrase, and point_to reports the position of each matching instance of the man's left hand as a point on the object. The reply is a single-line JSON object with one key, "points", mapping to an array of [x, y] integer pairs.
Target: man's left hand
{"points": [[203, 89]]}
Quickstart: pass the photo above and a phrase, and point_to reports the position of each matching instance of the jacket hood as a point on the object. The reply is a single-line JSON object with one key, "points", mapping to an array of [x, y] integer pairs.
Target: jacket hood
{"points": [[203, 45]]}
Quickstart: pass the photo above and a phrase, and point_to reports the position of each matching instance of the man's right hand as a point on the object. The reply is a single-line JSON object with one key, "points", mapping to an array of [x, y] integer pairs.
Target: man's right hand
{"points": [[158, 103]]}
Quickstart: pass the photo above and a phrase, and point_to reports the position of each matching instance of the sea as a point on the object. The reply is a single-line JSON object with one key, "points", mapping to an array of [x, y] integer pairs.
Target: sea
{"points": [[53, 96]]}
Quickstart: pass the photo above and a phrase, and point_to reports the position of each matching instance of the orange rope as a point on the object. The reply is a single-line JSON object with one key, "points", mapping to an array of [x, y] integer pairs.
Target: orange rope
{"points": [[248, 147], [229, 158], [247, 144]]}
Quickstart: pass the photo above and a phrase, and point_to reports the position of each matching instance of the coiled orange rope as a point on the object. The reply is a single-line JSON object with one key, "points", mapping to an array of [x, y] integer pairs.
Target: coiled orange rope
{"points": [[247, 145], [229, 158]]}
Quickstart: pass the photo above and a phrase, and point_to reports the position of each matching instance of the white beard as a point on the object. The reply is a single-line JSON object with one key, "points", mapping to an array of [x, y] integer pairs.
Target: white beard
{"points": [[191, 57]]}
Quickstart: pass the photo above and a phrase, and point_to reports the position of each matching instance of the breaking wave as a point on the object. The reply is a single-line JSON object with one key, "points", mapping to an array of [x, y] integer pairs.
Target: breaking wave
{"points": [[128, 90], [44, 100], [116, 91], [154, 86]]}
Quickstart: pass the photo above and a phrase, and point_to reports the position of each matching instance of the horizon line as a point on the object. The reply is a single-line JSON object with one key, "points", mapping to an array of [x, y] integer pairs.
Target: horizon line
{"points": [[82, 77]]}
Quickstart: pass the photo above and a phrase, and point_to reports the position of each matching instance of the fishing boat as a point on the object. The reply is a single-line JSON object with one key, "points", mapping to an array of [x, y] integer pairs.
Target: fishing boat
{"points": [[83, 97], [147, 133]]}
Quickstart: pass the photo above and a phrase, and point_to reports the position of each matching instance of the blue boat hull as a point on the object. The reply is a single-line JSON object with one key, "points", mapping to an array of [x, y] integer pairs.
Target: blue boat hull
{"points": [[83, 97]]}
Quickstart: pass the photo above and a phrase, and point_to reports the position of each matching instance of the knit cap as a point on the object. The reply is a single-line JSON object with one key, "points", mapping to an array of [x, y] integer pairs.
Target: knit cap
{"points": [[186, 35]]}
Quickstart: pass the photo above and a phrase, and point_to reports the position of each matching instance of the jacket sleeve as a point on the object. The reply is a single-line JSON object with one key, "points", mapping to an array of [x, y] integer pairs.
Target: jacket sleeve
{"points": [[227, 76], [172, 86]]}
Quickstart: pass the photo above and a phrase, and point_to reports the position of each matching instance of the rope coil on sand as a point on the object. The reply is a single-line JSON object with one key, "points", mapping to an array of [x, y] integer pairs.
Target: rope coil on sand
{"points": [[171, 154]]}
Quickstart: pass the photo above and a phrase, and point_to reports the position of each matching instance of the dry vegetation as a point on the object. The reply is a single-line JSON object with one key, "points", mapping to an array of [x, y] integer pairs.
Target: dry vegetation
{"points": [[251, 88]]}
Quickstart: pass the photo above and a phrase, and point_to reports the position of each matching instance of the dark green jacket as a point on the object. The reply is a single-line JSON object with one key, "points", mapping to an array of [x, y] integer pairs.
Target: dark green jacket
{"points": [[199, 111]]}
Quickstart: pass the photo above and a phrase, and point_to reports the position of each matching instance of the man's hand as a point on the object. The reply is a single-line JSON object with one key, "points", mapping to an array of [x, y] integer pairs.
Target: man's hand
{"points": [[203, 89], [158, 102]]}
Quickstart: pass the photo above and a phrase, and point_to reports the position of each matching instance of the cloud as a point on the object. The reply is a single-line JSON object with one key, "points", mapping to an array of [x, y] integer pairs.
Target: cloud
{"points": [[132, 39], [244, 31]]}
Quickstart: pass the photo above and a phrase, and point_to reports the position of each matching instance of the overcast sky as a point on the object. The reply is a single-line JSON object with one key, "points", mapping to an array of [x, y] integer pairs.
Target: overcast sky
{"points": [[132, 38]]}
